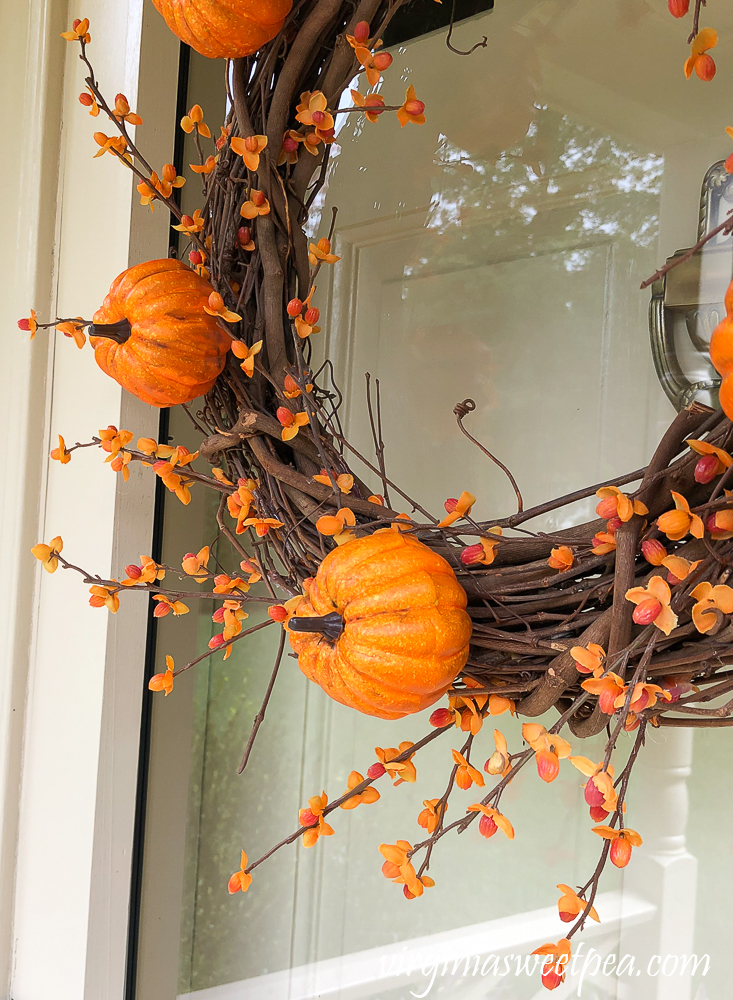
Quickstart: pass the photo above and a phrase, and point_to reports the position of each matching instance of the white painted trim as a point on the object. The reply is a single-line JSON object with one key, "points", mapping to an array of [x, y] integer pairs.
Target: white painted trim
{"points": [[373, 972], [23, 404], [70, 676]]}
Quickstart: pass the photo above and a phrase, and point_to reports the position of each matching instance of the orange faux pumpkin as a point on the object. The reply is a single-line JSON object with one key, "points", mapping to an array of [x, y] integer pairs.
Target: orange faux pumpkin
{"points": [[721, 354], [224, 29], [153, 336], [393, 624]]}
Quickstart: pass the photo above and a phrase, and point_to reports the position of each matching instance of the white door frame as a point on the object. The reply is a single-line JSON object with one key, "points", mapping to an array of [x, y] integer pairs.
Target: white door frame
{"points": [[71, 678]]}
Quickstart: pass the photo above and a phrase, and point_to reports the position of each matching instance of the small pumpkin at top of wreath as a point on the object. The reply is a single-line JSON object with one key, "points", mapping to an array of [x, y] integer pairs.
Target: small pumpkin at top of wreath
{"points": [[153, 336], [225, 29], [382, 627]]}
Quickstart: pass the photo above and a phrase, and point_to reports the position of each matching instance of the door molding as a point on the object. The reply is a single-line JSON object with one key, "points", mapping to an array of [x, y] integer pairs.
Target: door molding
{"points": [[373, 972], [72, 678]]}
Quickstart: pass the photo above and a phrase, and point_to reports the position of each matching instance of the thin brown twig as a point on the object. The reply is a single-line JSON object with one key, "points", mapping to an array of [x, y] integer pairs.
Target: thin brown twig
{"points": [[260, 717], [461, 410]]}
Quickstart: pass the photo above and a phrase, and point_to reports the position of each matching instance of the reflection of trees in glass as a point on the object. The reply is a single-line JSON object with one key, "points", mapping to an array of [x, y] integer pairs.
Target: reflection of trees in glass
{"points": [[593, 185]]}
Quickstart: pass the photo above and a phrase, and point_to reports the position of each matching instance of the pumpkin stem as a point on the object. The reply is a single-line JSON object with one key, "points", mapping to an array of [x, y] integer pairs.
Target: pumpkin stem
{"points": [[118, 331], [330, 626]]}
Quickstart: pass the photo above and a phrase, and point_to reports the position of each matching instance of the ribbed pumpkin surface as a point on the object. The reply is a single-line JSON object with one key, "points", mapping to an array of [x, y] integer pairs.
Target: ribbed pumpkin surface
{"points": [[175, 350], [406, 630], [721, 354], [224, 29]]}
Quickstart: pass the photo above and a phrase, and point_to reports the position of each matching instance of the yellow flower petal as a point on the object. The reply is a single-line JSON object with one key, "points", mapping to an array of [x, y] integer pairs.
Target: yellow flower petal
{"points": [[704, 40]]}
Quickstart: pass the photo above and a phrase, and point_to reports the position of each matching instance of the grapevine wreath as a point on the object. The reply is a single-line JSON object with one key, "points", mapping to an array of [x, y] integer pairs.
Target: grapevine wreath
{"points": [[620, 623]]}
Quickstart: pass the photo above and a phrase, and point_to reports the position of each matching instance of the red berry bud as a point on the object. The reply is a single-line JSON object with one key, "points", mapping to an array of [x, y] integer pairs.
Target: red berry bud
{"points": [[441, 717], [24, 324], [215, 641], [472, 554], [414, 107], [711, 525], [161, 610], [284, 415], [548, 765], [647, 611], [375, 771], [705, 67], [678, 8], [307, 818], [86, 100], [294, 308], [218, 616], [593, 795], [375, 103], [317, 117], [672, 580], [244, 236], [551, 978], [186, 220], [382, 61], [277, 612], [567, 917], [257, 198], [608, 507], [450, 504], [613, 524], [406, 893], [133, 572], [675, 688], [216, 302], [312, 315], [620, 852], [707, 468], [361, 31], [653, 551], [289, 144], [486, 826], [598, 814], [196, 257], [75, 23]]}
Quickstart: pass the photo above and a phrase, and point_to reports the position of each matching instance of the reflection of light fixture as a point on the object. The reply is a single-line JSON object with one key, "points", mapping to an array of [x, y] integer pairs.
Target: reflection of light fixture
{"points": [[687, 302]]}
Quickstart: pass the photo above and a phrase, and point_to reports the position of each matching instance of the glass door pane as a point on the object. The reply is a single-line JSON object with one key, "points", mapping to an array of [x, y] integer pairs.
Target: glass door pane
{"points": [[495, 253]]}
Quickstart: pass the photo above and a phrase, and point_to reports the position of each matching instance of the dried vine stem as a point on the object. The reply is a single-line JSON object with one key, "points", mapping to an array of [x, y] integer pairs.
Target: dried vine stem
{"points": [[699, 4], [461, 410]]}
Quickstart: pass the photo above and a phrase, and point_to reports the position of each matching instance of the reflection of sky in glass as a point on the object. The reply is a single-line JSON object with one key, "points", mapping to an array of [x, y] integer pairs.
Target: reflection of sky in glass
{"points": [[560, 157]]}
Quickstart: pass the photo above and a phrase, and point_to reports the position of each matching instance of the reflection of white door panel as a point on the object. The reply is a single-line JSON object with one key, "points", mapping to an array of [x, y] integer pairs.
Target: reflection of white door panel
{"points": [[506, 334], [664, 870], [516, 286], [465, 964]]}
